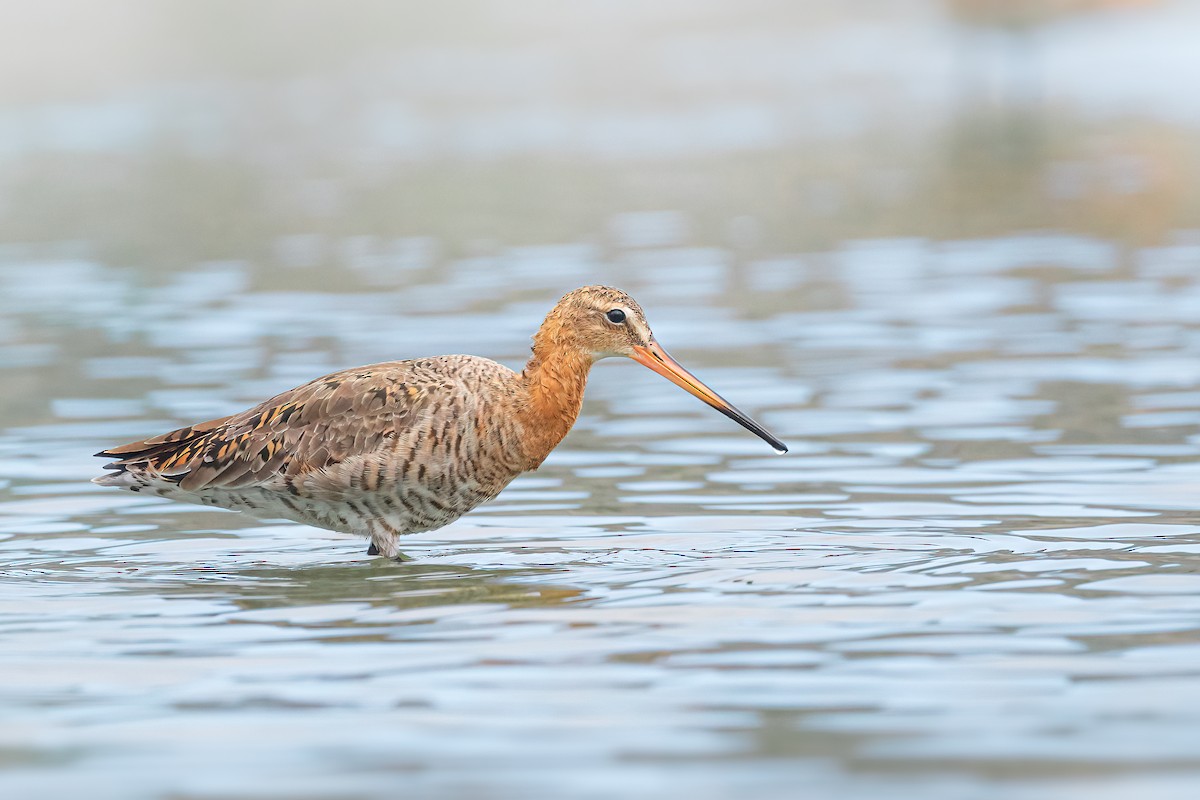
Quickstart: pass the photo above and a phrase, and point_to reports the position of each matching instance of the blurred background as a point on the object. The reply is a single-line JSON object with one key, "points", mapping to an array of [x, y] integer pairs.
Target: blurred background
{"points": [[947, 249], [319, 137]]}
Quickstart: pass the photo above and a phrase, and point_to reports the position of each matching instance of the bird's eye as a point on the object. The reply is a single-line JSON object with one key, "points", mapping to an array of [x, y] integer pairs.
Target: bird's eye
{"points": [[616, 316]]}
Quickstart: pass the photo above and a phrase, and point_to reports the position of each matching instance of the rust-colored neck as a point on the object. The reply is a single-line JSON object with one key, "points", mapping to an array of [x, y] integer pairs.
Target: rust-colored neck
{"points": [[554, 379]]}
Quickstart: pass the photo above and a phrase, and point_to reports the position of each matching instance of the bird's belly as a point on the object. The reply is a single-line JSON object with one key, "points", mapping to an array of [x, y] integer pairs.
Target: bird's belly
{"points": [[391, 510], [423, 495], [361, 514]]}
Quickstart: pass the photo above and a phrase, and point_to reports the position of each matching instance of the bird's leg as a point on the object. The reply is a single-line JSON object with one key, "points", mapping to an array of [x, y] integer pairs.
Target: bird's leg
{"points": [[383, 543], [396, 556]]}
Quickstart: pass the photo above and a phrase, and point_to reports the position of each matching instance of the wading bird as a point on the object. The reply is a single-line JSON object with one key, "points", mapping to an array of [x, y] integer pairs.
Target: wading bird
{"points": [[404, 446]]}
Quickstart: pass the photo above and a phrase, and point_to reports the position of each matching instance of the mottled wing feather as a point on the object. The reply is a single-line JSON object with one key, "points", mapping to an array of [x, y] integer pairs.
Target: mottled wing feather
{"points": [[307, 428]]}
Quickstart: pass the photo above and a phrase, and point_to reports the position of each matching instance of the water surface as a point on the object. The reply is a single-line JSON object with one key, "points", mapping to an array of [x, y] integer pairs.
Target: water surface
{"points": [[976, 569], [966, 293]]}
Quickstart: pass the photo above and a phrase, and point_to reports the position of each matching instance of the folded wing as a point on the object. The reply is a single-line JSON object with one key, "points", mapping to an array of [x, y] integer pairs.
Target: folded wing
{"points": [[311, 427]]}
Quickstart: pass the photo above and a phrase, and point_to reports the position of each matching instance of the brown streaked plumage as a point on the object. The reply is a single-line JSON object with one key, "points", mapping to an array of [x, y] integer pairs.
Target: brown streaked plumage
{"points": [[403, 446]]}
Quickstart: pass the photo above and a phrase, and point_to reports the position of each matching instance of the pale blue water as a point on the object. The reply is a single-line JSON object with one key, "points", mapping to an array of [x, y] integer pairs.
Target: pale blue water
{"points": [[968, 298], [975, 574]]}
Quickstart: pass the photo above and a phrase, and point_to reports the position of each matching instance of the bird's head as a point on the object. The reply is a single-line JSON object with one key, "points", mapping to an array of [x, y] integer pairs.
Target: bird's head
{"points": [[600, 321]]}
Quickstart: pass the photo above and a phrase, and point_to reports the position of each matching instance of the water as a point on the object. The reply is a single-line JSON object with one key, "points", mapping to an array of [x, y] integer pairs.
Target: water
{"points": [[975, 575], [976, 569]]}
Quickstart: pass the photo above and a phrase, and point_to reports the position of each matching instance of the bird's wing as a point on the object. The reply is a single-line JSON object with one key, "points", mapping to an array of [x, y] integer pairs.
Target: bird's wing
{"points": [[304, 429]]}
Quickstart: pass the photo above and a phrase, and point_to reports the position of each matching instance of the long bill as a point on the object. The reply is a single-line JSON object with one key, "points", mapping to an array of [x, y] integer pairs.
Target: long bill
{"points": [[659, 360]]}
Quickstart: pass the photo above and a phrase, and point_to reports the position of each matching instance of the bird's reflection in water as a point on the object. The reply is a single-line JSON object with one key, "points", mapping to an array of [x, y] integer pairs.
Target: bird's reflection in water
{"points": [[391, 587]]}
